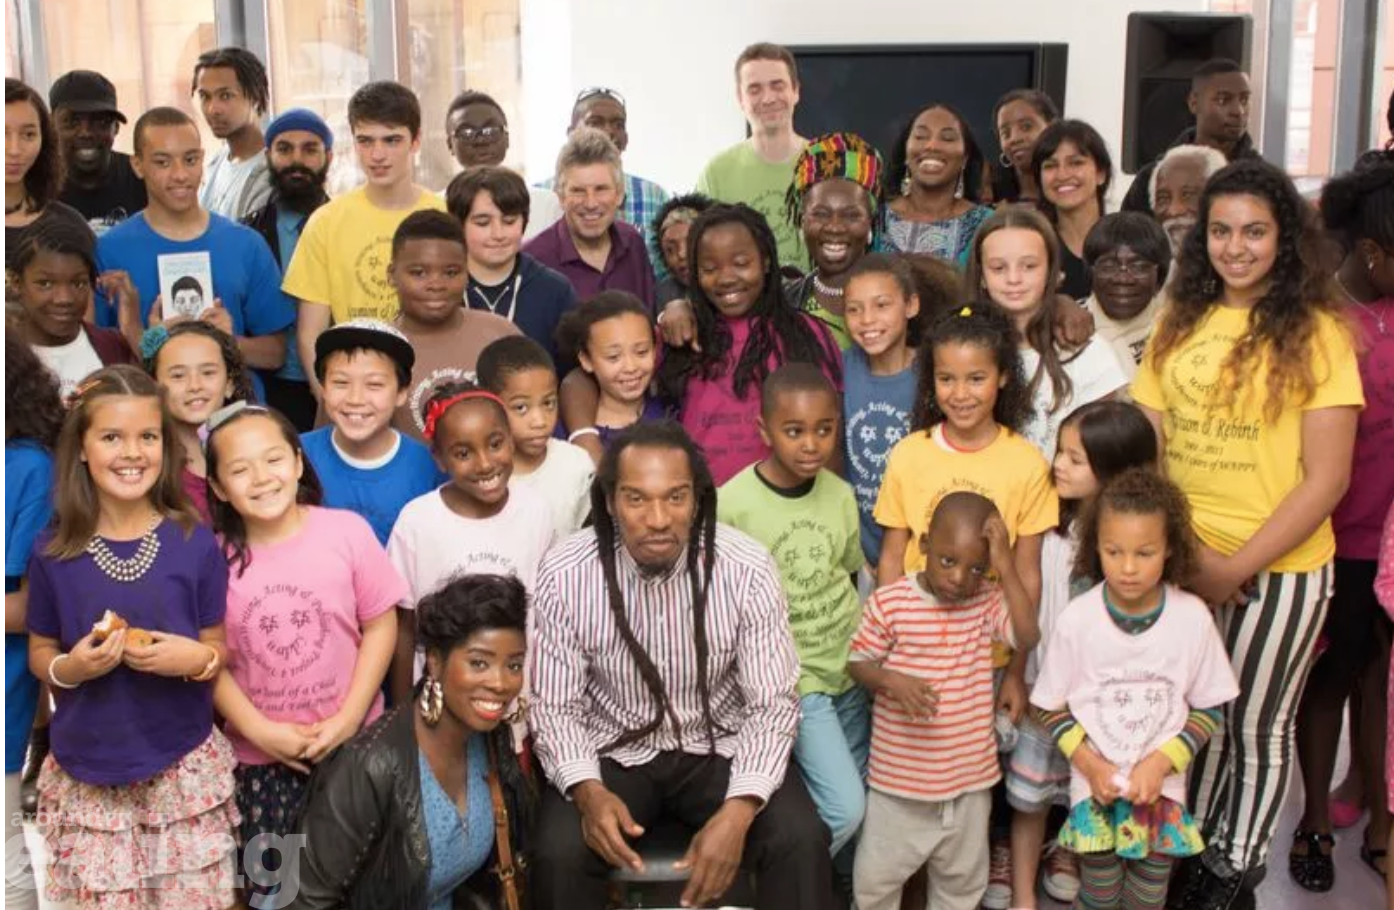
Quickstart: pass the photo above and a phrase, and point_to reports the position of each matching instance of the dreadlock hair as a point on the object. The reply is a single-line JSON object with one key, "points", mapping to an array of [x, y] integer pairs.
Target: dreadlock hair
{"points": [[1359, 204], [987, 326], [1115, 436], [975, 169], [777, 330], [909, 280], [239, 377], [249, 70], [44, 178], [1283, 323], [33, 404], [1140, 491], [1039, 331], [701, 559], [228, 523], [836, 156]]}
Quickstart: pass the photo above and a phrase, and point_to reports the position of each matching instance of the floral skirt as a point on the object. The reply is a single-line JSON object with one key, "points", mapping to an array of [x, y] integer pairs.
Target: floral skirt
{"points": [[1131, 831], [270, 799], [162, 844]]}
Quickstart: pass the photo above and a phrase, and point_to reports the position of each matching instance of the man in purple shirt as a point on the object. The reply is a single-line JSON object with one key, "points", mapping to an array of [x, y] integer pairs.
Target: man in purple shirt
{"points": [[588, 245]]}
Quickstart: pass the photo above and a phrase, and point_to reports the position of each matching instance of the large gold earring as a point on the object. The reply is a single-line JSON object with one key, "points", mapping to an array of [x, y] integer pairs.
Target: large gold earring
{"points": [[432, 701]]}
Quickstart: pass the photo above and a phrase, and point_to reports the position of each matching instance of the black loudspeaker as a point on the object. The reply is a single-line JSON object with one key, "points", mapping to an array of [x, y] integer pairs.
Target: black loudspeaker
{"points": [[1163, 50]]}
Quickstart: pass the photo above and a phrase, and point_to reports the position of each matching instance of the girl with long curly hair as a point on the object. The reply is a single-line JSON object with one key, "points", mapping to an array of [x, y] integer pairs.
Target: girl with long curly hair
{"points": [[1251, 381]]}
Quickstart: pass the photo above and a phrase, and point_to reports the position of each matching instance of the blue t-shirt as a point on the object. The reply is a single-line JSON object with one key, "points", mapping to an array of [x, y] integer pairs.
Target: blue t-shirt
{"points": [[128, 726], [28, 507], [245, 275], [378, 494], [876, 411]]}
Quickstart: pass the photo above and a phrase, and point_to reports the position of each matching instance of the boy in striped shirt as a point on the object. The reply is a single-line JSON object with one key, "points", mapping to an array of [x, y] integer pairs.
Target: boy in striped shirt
{"points": [[924, 648]]}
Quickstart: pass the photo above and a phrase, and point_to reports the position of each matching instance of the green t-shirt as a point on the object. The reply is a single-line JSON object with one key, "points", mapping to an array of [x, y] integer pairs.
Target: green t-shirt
{"points": [[740, 175], [816, 543]]}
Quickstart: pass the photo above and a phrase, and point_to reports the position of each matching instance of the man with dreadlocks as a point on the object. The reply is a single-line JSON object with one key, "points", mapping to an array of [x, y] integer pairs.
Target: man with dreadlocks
{"points": [[663, 684]]}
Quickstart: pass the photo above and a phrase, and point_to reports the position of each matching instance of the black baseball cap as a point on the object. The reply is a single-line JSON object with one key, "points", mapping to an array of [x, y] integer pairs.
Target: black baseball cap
{"points": [[357, 334], [84, 92]]}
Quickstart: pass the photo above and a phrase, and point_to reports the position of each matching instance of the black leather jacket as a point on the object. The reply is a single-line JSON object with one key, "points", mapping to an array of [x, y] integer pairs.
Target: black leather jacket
{"points": [[366, 846]]}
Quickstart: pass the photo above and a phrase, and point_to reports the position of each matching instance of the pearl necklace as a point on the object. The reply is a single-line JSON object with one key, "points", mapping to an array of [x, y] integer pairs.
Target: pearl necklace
{"points": [[824, 289], [127, 570]]}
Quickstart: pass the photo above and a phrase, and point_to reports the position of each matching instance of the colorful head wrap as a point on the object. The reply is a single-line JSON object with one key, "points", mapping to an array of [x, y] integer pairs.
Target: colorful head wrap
{"points": [[833, 155]]}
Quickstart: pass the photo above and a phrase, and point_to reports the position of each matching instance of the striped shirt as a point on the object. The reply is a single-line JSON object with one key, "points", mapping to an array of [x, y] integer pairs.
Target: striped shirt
{"points": [[586, 688], [905, 628]]}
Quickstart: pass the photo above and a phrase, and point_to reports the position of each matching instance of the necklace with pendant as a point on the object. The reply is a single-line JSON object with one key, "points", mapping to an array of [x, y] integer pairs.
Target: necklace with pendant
{"points": [[1378, 316]]}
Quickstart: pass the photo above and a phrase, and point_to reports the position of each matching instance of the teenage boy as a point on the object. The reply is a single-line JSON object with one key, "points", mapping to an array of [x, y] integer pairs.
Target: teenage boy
{"points": [[299, 150], [246, 289], [476, 132], [364, 464], [924, 647], [429, 274], [99, 181], [758, 170], [339, 270], [806, 516], [233, 94], [493, 203]]}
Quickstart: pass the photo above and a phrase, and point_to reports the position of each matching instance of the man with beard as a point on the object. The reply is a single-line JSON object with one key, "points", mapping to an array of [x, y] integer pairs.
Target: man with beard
{"points": [[1177, 184], [1219, 100], [299, 150], [233, 94], [99, 182]]}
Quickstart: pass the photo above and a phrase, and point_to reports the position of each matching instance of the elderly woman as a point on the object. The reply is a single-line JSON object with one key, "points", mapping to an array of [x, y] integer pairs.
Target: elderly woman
{"points": [[1128, 258], [405, 814]]}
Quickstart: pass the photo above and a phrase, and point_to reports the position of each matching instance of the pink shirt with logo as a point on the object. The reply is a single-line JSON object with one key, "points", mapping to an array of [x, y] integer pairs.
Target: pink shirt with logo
{"points": [[1132, 693], [1359, 518], [722, 422], [295, 620]]}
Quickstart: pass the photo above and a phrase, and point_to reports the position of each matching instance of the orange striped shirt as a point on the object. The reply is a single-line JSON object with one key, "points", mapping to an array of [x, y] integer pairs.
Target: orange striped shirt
{"points": [[905, 628]]}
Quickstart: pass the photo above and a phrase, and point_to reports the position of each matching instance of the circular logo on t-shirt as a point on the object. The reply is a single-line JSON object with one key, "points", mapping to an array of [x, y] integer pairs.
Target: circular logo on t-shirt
{"points": [[282, 630], [370, 272]]}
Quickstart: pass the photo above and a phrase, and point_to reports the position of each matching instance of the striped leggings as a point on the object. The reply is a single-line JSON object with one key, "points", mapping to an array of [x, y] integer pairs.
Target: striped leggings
{"points": [[1239, 788], [1109, 882]]}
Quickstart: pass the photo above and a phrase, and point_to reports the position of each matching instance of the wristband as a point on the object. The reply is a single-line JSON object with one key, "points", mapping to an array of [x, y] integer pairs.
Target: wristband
{"points": [[584, 431], [54, 679]]}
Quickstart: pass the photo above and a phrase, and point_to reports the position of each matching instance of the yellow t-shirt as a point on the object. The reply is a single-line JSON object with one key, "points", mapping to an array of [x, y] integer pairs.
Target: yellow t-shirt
{"points": [[341, 259], [1234, 466], [922, 470]]}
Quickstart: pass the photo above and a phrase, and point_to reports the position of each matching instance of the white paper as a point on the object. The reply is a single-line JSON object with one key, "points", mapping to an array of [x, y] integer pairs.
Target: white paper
{"points": [[186, 284]]}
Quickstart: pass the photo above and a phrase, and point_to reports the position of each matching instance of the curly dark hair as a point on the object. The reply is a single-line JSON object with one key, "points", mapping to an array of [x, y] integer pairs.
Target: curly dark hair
{"points": [[988, 326], [573, 333], [1283, 324], [33, 403], [237, 373], [975, 167], [227, 521], [701, 560], [44, 178], [1140, 491], [777, 331], [1359, 204], [698, 202]]}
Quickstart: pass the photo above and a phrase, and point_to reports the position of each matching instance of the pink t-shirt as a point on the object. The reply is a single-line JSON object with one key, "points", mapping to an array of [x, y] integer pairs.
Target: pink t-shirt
{"points": [[1359, 518], [721, 422], [295, 620], [1132, 693]]}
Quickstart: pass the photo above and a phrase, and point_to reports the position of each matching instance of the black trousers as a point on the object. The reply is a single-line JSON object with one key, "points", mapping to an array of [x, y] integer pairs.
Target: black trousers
{"points": [[786, 847]]}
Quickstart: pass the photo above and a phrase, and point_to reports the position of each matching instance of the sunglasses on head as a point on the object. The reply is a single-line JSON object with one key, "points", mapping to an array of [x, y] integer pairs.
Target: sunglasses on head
{"points": [[600, 92]]}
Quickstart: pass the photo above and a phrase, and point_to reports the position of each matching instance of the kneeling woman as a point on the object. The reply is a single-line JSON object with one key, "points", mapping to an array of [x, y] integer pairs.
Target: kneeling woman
{"points": [[404, 815]]}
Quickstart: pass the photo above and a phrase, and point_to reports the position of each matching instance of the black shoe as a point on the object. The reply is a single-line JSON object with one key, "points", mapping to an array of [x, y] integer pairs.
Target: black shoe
{"points": [[33, 761], [1226, 892], [1313, 869], [1185, 885]]}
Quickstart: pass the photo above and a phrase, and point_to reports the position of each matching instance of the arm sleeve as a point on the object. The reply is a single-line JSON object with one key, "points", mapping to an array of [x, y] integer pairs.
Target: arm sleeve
{"points": [[1146, 389], [267, 309], [769, 671], [890, 501], [41, 610], [1040, 507], [1339, 385], [307, 275], [31, 516], [874, 637], [377, 585], [400, 554], [341, 824], [852, 556], [1063, 728], [1201, 724], [557, 670], [212, 581]]}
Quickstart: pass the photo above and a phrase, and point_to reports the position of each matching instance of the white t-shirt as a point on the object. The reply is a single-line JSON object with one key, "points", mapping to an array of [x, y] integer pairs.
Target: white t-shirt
{"points": [[71, 362], [564, 481], [1094, 373], [1129, 338], [430, 543], [225, 181], [1132, 693]]}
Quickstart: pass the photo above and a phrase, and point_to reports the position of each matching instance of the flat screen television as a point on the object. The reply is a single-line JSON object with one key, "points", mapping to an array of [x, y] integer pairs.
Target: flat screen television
{"points": [[874, 89]]}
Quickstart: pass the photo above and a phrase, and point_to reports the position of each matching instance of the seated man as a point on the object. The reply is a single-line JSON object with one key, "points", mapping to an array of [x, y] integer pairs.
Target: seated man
{"points": [[663, 684]]}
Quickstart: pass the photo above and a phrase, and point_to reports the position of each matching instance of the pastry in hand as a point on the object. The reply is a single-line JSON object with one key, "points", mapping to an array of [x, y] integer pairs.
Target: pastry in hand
{"points": [[107, 626], [138, 638]]}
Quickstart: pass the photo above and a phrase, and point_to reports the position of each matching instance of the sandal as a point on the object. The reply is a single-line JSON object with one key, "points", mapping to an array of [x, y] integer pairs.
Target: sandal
{"points": [[1372, 857], [1314, 870]]}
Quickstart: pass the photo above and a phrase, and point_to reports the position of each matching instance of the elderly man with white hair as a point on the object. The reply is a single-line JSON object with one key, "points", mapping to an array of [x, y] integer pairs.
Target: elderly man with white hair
{"points": [[1176, 185]]}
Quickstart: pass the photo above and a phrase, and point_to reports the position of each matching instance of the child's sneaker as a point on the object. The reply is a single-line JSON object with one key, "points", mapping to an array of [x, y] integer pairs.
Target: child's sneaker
{"points": [[998, 895], [1061, 874]]}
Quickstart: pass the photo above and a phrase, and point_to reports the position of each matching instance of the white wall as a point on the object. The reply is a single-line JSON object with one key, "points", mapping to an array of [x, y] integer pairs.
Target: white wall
{"points": [[672, 60]]}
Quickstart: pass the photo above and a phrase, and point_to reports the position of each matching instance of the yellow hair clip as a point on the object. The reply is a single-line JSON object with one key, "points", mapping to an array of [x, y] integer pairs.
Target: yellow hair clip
{"points": [[966, 311]]}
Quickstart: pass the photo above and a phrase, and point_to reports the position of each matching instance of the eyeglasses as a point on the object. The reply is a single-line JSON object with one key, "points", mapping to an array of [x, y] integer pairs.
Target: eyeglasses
{"points": [[1113, 267], [484, 133], [600, 92]]}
